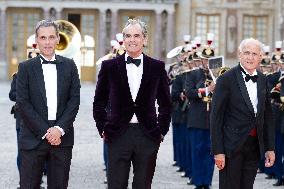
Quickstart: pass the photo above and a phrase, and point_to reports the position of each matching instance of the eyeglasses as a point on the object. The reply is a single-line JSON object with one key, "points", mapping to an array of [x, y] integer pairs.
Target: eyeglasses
{"points": [[251, 54]]}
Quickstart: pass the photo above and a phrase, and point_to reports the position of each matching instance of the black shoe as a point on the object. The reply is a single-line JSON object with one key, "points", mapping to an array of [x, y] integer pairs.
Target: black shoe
{"points": [[206, 187], [105, 181], [269, 177], [260, 171], [179, 169], [41, 187], [174, 163], [189, 182], [198, 187], [183, 174], [280, 182]]}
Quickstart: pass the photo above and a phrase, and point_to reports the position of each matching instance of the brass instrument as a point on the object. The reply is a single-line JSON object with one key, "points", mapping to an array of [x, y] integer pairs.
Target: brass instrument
{"points": [[70, 39], [281, 80], [277, 93], [207, 99], [223, 70]]}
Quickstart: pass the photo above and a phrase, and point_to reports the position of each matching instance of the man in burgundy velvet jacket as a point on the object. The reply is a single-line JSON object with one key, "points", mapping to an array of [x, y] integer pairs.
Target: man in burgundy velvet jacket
{"points": [[131, 84]]}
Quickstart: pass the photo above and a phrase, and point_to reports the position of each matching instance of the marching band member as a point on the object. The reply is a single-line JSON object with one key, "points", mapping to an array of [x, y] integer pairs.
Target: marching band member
{"points": [[198, 123]]}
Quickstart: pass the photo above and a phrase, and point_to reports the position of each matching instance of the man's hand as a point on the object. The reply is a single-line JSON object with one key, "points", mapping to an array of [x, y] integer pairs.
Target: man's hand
{"points": [[220, 161], [104, 136], [269, 158], [162, 138], [53, 136], [182, 96]]}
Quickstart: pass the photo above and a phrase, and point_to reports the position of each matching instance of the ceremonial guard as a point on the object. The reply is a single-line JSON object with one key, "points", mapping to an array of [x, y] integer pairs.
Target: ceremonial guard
{"points": [[198, 89], [275, 82], [178, 113]]}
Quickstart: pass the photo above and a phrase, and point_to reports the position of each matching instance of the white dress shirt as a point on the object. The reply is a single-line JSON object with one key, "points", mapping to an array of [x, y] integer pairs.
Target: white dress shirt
{"points": [[50, 83], [252, 89], [134, 75]]}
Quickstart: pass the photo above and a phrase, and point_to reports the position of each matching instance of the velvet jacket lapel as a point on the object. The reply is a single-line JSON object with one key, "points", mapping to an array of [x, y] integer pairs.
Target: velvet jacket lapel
{"points": [[145, 77], [124, 79]]}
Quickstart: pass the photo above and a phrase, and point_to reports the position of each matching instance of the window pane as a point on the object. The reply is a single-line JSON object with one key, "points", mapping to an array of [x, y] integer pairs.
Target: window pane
{"points": [[208, 24]]}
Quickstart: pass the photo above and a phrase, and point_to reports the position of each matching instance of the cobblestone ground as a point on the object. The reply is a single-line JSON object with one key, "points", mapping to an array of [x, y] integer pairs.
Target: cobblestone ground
{"points": [[87, 162]]}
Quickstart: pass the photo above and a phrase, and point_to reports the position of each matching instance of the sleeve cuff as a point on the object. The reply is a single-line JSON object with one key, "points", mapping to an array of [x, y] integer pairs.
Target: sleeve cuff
{"points": [[201, 92], [206, 91], [60, 129], [43, 137]]}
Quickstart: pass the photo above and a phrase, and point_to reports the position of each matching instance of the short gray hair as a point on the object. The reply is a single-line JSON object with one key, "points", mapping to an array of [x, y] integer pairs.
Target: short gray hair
{"points": [[251, 40], [132, 22], [46, 23]]}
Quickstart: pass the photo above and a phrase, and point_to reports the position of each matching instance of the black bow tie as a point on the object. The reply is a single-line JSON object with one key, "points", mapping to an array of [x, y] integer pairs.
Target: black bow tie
{"points": [[134, 61], [248, 77], [47, 62]]}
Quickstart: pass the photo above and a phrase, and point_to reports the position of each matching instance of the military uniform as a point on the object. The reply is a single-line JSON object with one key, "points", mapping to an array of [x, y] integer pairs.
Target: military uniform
{"points": [[178, 121], [199, 133]]}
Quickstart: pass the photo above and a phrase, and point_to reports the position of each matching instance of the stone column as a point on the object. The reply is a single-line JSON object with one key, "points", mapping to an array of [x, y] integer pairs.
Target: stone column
{"points": [[277, 22], [170, 31], [157, 35], [114, 23], [59, 13], [46, 14], [3, 44], [101, 34]]}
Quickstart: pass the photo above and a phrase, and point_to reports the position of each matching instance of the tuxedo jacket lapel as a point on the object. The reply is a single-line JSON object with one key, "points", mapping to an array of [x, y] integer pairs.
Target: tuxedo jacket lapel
{"points": [[260, 92], [37, 69], [243, 89], [60, 77]]}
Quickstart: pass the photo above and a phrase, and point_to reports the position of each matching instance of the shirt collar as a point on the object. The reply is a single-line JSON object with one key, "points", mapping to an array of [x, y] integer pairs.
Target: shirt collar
{"points": [[254, 73], [139, 57], [52, 59]]}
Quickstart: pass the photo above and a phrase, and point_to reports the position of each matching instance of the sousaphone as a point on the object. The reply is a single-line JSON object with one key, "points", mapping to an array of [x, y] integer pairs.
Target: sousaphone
{"points": [[70, 39]]}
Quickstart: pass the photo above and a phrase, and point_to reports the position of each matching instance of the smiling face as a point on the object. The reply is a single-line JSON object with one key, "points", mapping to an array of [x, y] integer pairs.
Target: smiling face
{"points": [[134, 40], [250, 56], [47, 40]]}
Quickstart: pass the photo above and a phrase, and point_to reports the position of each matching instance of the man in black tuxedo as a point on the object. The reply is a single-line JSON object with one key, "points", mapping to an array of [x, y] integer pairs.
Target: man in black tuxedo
{"points": [[242, 128], [132, 83], [48, 97]]}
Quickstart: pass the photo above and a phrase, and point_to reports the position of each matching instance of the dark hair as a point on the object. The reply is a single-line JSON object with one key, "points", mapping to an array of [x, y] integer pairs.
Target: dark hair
{"points": [[47, 23]]}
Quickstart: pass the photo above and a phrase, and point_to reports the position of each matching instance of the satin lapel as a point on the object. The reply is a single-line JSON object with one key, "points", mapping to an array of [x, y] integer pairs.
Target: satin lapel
{"points": [[243, 88], [145, 76], [123, 75], [37, 69], [260, 96], [60, 77]]}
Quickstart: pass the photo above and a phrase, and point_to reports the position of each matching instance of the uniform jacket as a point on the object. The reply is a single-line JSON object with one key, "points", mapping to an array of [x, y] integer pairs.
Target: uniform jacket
{"points": [[198, 116]]}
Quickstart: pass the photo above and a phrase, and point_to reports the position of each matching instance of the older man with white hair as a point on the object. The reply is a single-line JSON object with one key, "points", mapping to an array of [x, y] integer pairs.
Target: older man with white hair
{"points": [[242, 128]]}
